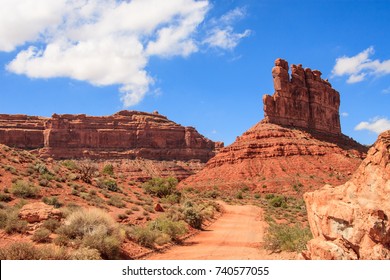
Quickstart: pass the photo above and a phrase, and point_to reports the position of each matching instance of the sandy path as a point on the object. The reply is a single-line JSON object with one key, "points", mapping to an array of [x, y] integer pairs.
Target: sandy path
{"points": [[237, 235]]}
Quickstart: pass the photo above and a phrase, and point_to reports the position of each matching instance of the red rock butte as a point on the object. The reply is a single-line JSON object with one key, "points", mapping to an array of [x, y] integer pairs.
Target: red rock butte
{"points": [[303, 100], [297, 147], [126, 134]]}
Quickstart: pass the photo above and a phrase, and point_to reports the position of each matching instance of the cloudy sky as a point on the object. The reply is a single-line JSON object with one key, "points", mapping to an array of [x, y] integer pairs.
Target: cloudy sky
{"points": [[201, 63]]}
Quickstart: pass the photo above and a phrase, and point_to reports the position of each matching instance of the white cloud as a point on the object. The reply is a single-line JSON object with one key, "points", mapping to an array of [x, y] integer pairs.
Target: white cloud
{"points": [[222, 35], [360, 66], [24, 20], [106, 42], [344, 114], [377, 125]]}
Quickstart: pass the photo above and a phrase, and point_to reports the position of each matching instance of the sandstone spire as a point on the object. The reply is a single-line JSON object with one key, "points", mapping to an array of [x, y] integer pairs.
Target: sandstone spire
{"points": [[303, 100]]}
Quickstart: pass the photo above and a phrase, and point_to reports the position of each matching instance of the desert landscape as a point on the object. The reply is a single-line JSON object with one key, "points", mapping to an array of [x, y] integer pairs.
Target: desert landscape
{"points": [[137, 185], [140, 130]]}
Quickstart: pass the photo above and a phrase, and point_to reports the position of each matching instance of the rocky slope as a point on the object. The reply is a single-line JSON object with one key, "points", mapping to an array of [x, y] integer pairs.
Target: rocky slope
{"points": [[126, 134], [351, 221], [297, 147]]}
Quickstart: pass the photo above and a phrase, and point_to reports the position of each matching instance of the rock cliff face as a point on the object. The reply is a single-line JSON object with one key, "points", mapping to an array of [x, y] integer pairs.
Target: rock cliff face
{"points": [[302, 100], [126, 134], [297, 147], [21, 131], [351, 221]]}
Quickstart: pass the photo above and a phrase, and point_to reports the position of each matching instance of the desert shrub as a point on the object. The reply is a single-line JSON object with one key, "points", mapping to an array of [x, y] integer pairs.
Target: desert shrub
{"points": [[43, 183], [41, 235], [171, 199], [94, 229], [108, 246], [278, 201], [256, 196], [160, 187], [269, 196], [212, 194], [53, 200], [24, 189], [239, 195], [108, 184], [10, 222], [168, 227], [116, 201], [122, 216], [193, 217], [135, 208], [41, 168], [51, 224], [70, 164], [287, 238], [144, 236], [108, 169], [5, 197], [85, 253], [20, 251], [87, 170]]}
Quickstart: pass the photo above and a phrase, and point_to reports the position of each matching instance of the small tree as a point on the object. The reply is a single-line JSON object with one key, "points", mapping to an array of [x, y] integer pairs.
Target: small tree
{"points": [[87, 170]]}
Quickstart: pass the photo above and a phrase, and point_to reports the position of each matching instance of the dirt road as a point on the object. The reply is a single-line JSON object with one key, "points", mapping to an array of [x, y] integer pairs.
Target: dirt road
{"points": [[237, 235]]}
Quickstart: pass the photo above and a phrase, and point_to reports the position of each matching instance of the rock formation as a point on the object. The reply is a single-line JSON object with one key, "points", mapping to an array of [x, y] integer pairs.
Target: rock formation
{"points": [[304, 100], [126, 134], [297, 147], [351, 221]]}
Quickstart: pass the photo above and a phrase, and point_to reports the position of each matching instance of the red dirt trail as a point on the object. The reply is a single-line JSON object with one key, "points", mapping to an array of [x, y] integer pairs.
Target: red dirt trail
{"points": [[236, 235]]}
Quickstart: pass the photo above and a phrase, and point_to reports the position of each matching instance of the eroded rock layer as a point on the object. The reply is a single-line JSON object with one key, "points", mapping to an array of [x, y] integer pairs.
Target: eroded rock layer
{"points": [[126, 134], [297, 147], [351, 221], [302, 100], [271, 158]]}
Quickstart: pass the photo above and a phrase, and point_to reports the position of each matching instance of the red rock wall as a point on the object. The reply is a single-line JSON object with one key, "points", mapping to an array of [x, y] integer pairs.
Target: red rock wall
{"points": [[303, 100], [21, 131], [351, 221], [127, 134]]}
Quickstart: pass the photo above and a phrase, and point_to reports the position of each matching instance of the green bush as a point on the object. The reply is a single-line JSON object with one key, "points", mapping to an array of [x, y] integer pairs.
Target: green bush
{"points": [[108, 169], [108, 184], [169, 227], [24, 189], [144, 236], [193, 217], [287, 238], [41, 235], [278, 201], [53, 200], [10, 222], [116, 201], [51, 224], [160, 187], [70, 164]]}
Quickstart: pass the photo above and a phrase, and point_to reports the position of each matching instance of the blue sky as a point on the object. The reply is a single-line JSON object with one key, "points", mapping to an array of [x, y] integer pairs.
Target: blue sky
{"points": [[201, 63]]}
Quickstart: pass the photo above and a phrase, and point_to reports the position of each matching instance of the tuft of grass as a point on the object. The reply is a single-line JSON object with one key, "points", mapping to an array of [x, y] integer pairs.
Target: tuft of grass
{"points": [[95, 229]]}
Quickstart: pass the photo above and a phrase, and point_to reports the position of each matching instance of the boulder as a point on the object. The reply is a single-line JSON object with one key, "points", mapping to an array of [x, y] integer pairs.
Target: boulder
{"points": [[38, 211], [351, 221]]}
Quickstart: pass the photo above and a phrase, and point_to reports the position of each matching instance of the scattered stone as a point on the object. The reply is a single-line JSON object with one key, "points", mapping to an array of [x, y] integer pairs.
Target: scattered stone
{"points": [[38, 211]]}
